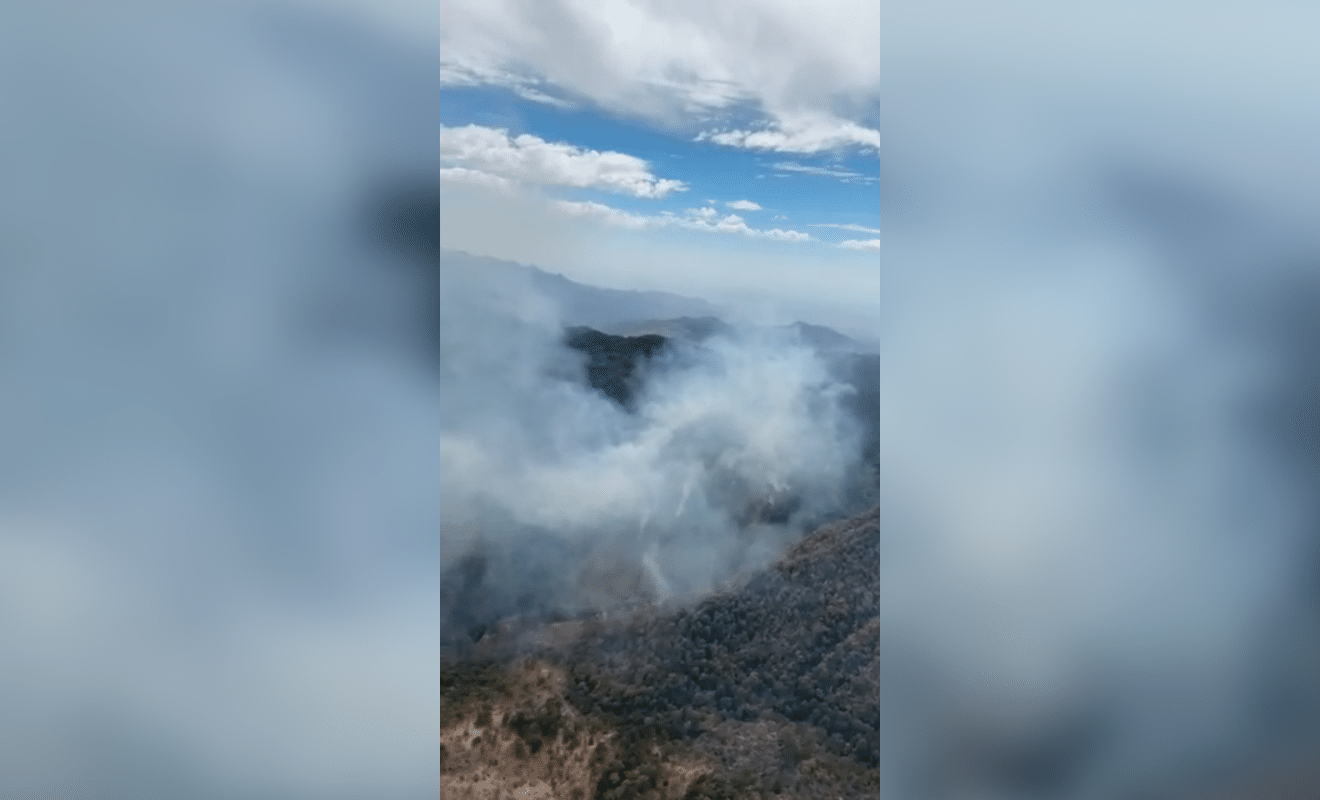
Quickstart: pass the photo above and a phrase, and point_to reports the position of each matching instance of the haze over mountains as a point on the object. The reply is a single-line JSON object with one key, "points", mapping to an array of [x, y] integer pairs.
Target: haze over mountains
{"points": [[588, 469], [625, 312], [633, 601], [577, 303]]}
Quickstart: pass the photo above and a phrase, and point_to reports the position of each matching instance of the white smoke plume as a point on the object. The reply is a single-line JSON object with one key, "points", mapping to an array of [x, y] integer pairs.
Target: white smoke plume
{"points": [[656, 496]]}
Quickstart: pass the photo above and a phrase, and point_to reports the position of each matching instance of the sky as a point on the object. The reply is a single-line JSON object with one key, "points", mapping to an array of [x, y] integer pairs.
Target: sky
{"points": [[728, 153]]}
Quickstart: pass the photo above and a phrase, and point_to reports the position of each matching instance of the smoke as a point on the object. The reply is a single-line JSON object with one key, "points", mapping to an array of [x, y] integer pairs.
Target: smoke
{"points": [[728, 449], [217, 513], [1097, 412]]}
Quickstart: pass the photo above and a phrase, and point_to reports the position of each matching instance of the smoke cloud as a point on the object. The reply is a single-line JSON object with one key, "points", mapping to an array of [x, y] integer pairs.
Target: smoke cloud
{"points": [[573, 502]]}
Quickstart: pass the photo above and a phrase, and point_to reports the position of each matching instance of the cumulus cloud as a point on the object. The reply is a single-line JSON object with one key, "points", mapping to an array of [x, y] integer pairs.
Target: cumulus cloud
{"points": [[743, 205], [697, 219], [530, 159], [786, 236], [819, 135], [708, 219], [845, 226], [861, 244], [684, 63]]}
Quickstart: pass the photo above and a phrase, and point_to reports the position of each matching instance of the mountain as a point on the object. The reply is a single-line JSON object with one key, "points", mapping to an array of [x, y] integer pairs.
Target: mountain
{"points": [[613, 361], [766, 690], [698, 329], [689, 329], [574, 303], [822, 338], [615, 365], [621, 312]]}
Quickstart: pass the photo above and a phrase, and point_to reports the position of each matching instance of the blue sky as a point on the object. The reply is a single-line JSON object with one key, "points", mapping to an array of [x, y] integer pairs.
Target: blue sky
{"points": [[732, 155]]}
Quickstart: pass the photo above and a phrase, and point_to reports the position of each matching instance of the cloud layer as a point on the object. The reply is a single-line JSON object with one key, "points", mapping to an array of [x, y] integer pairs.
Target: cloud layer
{"points": [[846, 175], [698, 219], [794, 66], [803, 137], [848, 226], [491, 155]]}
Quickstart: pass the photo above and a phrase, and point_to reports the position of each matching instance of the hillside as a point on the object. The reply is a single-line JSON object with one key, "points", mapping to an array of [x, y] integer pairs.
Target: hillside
{"points": [[769, 690]]}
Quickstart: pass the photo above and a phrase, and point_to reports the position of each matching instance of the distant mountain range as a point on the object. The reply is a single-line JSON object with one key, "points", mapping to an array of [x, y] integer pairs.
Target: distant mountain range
{"points": [[623, 312], [579, 304], [698, 329]]}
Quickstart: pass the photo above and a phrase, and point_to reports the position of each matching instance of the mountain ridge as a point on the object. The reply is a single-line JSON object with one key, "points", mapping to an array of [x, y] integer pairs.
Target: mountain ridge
{"points": [[580, 303], [636, 312]]}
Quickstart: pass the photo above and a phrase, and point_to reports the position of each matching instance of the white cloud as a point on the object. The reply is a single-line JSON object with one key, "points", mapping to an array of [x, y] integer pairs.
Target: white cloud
{"points": [[698, 219], [731, 224], [705, 219], [530, 159], [846, 226], [820, 134], [848, 176], [861, 244], [528, 88], [795, 65], [474, 177], [786, 236], [743, 205]]}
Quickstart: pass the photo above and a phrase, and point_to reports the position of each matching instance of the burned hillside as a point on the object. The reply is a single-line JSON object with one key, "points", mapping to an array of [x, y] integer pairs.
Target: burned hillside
{"points": [[769, 690], [708, 412]]}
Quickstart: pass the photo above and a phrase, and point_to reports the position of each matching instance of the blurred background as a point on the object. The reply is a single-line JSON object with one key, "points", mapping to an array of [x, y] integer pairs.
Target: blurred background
{"points": [[1100, 402], [1100, 428], [218, 550]]}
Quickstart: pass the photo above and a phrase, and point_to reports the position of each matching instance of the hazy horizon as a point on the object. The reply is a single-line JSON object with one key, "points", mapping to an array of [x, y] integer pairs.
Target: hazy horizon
{"points": [[732, 305]]}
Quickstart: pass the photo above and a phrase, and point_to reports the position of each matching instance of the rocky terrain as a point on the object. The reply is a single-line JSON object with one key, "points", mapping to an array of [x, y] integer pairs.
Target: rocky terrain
{"points": [[767, 690], [613, 362]]}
